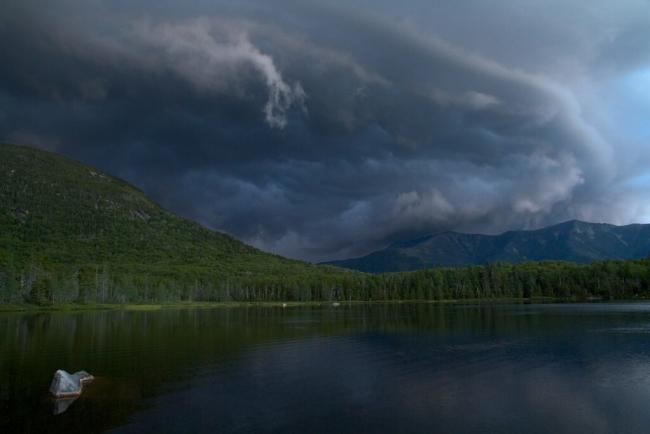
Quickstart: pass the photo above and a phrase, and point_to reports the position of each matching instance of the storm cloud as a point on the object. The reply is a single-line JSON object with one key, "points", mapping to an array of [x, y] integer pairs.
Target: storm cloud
{"points": [[322, 130]]}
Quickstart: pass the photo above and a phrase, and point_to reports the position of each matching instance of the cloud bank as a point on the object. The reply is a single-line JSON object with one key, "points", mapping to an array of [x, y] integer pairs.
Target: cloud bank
{"points": [[321, 130]]}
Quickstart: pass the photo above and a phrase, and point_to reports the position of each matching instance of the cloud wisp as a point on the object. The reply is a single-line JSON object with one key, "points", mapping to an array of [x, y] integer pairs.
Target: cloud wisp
{"points": [[214, 55]]}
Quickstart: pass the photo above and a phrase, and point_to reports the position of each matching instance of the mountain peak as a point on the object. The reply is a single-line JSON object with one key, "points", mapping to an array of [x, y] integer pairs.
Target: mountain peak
{"points": [[572, 240]]}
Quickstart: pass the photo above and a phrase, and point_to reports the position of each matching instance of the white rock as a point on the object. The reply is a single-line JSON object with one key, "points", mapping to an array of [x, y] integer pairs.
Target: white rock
{"points": [[65, 384]]}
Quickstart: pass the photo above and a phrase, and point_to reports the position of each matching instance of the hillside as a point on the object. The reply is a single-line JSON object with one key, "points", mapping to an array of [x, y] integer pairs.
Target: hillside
{"points": [[574, 241], [70, 233], [79, 231]]}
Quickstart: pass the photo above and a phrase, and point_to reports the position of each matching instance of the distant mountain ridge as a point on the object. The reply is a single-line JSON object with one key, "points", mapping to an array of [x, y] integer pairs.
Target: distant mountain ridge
{"points": [[574, 240]]}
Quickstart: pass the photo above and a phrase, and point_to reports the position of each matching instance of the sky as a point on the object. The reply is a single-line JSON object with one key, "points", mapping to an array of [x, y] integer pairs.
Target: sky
{"points": [[323, 130]]}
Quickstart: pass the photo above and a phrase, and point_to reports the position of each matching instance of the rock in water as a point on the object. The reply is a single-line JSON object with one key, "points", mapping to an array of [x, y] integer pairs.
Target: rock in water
{"points": [[65, 385]]}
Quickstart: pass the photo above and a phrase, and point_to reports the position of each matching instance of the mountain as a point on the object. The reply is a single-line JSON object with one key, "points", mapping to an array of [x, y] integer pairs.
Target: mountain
{"points": [[70, 233], [574, 241], [72, 229]]}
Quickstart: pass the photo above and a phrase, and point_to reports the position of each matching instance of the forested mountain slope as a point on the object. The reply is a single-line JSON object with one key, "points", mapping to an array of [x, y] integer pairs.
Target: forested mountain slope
{"points": [[70, 233], [75, 230]]}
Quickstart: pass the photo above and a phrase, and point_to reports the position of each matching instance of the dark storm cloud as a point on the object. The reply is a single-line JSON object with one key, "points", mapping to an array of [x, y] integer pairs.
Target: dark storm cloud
{"points": [[321, 130]]}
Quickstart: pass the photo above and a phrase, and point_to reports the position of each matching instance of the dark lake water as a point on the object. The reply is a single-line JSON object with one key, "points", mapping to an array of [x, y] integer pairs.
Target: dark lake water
{"points": [[400, 368]]}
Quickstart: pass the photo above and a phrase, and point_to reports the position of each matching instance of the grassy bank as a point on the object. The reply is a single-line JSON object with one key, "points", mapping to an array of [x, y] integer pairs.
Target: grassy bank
{"points": [[75, 307], [142, 307]]}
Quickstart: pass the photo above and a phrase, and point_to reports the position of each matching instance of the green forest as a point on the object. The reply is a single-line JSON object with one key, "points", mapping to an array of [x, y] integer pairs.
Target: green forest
{"points": [[109, 284], [72, 234]]}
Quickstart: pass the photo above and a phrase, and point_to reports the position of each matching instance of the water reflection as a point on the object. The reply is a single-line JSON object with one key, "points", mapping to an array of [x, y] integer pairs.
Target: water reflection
{"points": [[60, 405], [367, 368]]}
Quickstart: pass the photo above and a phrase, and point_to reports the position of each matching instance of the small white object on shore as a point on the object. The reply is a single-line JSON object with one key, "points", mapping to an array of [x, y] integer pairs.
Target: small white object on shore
{"points": [[284, 304], [66, 385], [335, 304]]}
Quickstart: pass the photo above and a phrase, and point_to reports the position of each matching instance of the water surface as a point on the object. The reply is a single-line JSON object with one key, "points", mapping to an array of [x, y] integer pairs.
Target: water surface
{"points": [[408, 368]]}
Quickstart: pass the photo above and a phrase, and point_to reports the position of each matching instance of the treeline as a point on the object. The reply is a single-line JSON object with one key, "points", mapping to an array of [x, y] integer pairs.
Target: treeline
{"points": [[104, 283]]}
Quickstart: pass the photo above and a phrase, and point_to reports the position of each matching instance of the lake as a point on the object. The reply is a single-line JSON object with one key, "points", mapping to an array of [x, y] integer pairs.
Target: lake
{"points": [[375, 368]]}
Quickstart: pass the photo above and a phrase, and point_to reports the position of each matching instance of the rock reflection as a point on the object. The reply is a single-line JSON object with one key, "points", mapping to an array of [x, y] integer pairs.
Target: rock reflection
{"points": [[60, 405], [416, 368]]}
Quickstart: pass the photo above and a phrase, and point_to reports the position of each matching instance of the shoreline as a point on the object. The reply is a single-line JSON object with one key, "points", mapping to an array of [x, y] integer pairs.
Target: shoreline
{"points": [[74, 307]]}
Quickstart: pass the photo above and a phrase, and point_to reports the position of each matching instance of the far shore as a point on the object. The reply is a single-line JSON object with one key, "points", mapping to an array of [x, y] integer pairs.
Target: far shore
{"points": [[78, 307]]}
